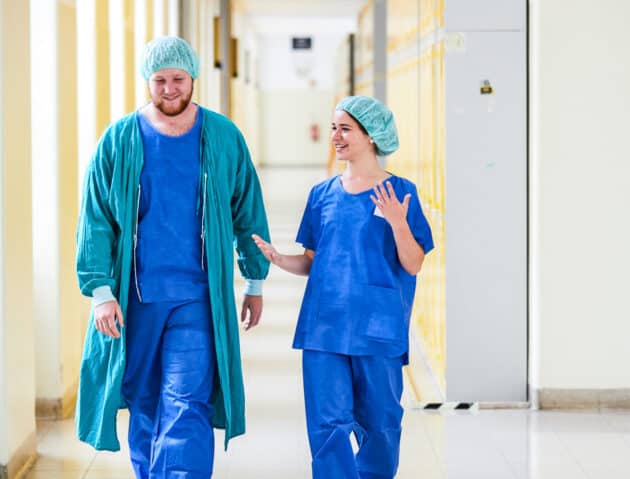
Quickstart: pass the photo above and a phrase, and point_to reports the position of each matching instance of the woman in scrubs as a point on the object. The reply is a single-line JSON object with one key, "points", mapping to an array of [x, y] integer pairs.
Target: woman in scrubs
{"points": [[365, 238]]}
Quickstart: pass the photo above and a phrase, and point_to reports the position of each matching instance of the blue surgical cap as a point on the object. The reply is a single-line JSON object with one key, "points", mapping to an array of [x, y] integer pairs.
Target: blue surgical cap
{"points": [[377, 120], [169, 52]]}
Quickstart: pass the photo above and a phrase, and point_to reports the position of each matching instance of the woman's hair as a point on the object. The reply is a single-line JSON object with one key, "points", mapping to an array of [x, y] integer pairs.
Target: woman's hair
{"points": [[358, 123]]}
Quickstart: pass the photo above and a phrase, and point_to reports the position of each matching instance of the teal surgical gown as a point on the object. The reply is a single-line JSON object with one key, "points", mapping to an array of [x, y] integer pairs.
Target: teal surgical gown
{"points": [[231, 196]]}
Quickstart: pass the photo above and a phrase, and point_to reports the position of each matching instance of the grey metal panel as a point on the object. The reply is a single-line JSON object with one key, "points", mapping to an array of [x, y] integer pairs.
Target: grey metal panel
{"points": [[486, 219], [468, 15], [380, 50]]}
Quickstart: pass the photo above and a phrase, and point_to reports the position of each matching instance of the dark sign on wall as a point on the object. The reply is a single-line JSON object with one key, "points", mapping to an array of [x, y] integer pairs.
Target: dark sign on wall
{"points": [[301, 43]]}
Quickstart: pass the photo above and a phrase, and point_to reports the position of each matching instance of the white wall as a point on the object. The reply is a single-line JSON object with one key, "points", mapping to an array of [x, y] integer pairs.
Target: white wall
{"points": [[279, 63], [286, 119], [45, 198], [292, 101], [245, 108], [159, 16], [579, 193], [173, 17]]}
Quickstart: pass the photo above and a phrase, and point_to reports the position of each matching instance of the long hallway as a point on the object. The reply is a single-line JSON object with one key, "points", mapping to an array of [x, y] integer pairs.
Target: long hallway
{"points": [[487, 444], [511, 123]]}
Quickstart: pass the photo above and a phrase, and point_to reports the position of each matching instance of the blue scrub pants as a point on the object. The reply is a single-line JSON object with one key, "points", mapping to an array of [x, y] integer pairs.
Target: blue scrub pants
{"points": [[167, 385], [359, 394]]}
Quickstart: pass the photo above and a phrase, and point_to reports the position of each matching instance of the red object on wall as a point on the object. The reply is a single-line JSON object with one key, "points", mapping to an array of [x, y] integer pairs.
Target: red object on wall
{"points": [[314, 132]]}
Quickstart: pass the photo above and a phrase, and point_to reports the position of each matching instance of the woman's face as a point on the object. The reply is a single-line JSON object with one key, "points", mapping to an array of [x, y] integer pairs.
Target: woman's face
{"points": [[348, 138]]}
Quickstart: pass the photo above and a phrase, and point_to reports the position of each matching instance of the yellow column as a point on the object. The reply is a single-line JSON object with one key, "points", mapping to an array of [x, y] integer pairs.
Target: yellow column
{"points": [[197, 27], [103, 115], [201, 35], [149, 19], [165, 17], [71, 318], [116, 39], [17, 363], [193, 15], [131, 72], [141, 26], [165, 14]]}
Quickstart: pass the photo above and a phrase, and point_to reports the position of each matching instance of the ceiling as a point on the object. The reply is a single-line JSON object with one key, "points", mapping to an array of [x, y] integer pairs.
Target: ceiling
{"points": [[299, 8]]}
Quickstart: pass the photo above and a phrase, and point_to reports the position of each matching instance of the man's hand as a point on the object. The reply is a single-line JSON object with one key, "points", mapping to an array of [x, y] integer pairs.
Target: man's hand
{"points": [[105, 317], [253, 304]]}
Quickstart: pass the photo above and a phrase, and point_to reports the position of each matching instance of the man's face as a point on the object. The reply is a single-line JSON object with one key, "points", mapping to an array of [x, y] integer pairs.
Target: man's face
{"points": [[171, 90]]}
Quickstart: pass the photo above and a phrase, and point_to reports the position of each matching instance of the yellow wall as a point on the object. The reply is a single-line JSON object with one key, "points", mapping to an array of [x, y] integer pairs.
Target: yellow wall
{"points": [[415, 94], [198, 29], [17, 358], [402, 86], [245, 98], [199, 42], [342, 89], [364, 52], [102, 66], [131, 72]]}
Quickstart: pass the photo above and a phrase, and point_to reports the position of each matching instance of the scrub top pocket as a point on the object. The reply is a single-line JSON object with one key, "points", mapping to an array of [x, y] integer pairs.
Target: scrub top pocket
{"points": [[383, 314]]}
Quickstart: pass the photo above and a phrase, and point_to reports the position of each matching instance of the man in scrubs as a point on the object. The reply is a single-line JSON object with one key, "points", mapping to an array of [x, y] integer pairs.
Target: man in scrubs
{"points": [[168, 194]]}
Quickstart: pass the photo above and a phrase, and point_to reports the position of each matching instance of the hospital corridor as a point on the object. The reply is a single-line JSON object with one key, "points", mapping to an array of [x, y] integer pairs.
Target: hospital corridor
{"points": [[443, 444], [506, 121]]}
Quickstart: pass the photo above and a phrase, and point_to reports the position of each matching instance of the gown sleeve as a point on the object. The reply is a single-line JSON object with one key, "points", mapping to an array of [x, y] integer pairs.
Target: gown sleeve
{"points": [[97, 230], [248, 216]]}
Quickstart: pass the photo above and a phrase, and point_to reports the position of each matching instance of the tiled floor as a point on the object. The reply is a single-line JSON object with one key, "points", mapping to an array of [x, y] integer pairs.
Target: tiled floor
{"points": [[501, 444]]}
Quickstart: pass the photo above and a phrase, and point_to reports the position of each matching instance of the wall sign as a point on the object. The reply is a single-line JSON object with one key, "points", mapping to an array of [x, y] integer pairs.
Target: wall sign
{"points": [[301, 43]]}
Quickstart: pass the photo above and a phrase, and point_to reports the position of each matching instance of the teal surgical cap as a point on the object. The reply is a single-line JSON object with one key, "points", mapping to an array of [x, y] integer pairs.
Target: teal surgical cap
{"points": [[377, 120], [169, 52]]}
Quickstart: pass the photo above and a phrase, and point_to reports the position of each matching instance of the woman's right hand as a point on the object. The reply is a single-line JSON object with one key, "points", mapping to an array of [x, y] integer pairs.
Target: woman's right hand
{"points": [[267, 249]]}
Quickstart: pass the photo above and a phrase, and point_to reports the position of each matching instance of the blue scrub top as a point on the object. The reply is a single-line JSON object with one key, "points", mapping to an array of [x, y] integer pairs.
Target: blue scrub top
{"points": [[358, 297], [168, 255]]}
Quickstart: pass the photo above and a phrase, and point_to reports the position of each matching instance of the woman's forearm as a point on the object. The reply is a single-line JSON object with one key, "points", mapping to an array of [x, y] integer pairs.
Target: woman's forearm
{"points": [[410, 253], [293, 263], [299, 264]]}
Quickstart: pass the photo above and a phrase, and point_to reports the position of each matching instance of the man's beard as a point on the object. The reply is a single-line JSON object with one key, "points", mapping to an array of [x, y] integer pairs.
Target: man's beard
{"points": [[173, 110]]}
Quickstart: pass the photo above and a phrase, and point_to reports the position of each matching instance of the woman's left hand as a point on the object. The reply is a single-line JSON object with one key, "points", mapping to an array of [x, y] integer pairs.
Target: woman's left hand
{"points": [[385, 199]]}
